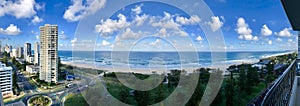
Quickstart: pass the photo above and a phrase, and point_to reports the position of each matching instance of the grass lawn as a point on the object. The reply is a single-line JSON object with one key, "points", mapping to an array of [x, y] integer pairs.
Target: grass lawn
{"points": [[75, 100]]}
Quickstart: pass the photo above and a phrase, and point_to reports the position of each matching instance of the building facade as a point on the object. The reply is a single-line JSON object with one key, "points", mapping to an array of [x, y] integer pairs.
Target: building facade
{"points": [[36, 53], [32, 69], [6, 80], [14, 53], [48, 53], [20, 52], [27, 50]]}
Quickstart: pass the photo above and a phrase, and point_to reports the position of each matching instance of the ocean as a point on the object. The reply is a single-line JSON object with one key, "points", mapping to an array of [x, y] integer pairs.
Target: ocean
{"points": [[159, 59]]}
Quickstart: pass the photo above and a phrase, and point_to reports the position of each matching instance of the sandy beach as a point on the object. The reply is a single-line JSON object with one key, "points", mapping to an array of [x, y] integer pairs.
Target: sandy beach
{"points": [[222, 67], [146, 71]]}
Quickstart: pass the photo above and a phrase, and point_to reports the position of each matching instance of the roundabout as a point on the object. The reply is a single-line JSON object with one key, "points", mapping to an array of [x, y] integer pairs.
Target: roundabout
{"points": [[39, 100]]}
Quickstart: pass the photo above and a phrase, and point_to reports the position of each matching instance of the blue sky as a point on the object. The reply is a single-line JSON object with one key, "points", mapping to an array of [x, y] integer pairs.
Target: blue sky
{"points": [[247, 25]]}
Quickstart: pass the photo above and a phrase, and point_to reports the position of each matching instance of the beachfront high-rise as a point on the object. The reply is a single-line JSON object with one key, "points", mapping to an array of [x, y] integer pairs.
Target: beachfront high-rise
{"points": [[36, 53], [20, 52], [27, 50], [6, 80], [48, 53]]}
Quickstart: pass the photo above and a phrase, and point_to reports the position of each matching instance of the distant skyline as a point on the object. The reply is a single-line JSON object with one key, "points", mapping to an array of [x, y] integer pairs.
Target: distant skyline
{"points": [[247, 25]]}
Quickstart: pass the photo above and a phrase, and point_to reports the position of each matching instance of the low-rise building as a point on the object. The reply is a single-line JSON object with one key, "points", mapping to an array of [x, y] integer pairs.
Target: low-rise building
{"points": [[30, 59], [32, 69], [6, 80]]}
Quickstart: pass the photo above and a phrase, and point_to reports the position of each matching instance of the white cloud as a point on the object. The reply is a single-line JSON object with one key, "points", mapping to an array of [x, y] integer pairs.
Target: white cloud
{"points": [[10, 30], [138, 9], [199, 38], [270, 42], [285, 32], [181, 33], [78, 10], [37, 37], [265, 31], [168, 23], [127, 34], [109, 26], [215, 23], [279, 40], [156, 42], [255, 38], [17, 8], [243, 30], [105, 43], [36, 20], [63, 36], [74, 40], [163, 32], [290, 40], [140, 19], [40, 6], [185, 21]]}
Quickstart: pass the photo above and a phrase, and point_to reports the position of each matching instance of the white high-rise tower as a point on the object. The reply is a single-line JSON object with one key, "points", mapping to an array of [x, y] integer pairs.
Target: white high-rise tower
{"points": [[48, 53], [36, 53]]}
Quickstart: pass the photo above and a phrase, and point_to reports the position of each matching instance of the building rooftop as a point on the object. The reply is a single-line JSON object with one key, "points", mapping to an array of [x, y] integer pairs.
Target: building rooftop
{"points": [[3, 67]]}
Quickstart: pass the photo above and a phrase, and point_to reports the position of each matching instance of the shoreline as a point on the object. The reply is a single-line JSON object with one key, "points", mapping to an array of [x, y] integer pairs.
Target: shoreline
{"points": [[222, 66]]}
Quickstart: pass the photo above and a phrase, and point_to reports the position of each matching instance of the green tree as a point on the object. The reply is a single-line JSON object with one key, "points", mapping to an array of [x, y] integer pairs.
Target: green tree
{"points": [[229, 90], [242, 79], [142, 98], [124, 96]]}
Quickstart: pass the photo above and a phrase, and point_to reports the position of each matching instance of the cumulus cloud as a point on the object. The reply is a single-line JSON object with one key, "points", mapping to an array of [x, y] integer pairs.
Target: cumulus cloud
{"points": [[79, 10], [40, 6], [199, 38], [36, 20], [105, 43], [188, 21], [10, 30], [138, 9], [17, 8], [255, 38], [163, 32], [265, 31], [109, 26], [74, 40], [156, 42], [286, 32], [63, 36], [270, 42], [290, 40], [140, 19], [279, 40], [127, 34], [168, 23], [243, 30], [215, 23]]}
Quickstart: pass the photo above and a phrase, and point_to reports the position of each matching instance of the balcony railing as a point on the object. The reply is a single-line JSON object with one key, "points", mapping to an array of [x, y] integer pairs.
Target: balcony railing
{"points": [[279, 93]]}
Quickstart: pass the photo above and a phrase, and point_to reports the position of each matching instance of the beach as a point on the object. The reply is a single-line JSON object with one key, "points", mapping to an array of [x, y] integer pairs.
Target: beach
{"points": [[221, 66]]}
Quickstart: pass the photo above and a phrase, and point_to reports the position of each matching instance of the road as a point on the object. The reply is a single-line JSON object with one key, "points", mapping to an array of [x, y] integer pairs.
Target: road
{"points": [[56, 96], [24, 84]]}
